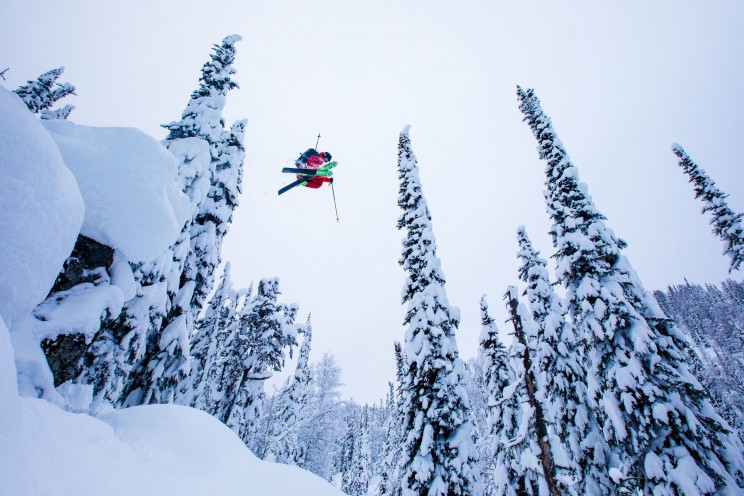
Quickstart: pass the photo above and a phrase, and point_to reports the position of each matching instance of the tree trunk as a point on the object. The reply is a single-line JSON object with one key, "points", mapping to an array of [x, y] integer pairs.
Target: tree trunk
{"points": [[529, 378]]}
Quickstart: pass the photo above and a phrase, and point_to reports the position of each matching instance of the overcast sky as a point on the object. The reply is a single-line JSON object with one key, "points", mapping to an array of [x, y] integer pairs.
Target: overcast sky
{"points": [[621, 81]]}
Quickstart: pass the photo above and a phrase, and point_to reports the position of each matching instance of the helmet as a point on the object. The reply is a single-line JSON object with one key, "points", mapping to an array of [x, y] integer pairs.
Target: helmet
{"points": [[326, 156]]}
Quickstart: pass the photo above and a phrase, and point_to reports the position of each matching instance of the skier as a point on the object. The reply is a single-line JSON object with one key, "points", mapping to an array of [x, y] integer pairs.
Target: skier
{"points": [[312, 159]]}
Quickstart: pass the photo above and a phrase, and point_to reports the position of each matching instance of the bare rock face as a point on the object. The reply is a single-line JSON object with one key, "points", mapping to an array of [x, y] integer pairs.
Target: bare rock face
{"points": [[88, 263], [87, 256], [64, 354]]}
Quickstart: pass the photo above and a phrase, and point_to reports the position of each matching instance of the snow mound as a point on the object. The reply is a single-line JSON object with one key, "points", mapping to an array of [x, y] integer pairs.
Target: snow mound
{"points": [[146, 450], [128, 181], [76, 310], [42, 210], [9, 412]]}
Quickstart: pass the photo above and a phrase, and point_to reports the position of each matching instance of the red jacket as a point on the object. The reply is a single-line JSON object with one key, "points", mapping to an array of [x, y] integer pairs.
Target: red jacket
{"points": [[313, 162]]}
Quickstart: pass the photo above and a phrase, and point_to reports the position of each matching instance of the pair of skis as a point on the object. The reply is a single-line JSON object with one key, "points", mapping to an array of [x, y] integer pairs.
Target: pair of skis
{"points": [[307, 174]]}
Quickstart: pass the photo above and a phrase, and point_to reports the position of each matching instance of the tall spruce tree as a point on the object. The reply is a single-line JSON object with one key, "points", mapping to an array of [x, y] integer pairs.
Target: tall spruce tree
{"points": [[438, 453], [148, 345], [391, 447], [496, 379], [324, 426], [726, 223], [197, 252], [214, 216], [208, 349], [45, 91], [559, 367], [523, 464], [266, 330], [356, 482], [390, 474], [660, 434], [291, 410], [347, 450]]}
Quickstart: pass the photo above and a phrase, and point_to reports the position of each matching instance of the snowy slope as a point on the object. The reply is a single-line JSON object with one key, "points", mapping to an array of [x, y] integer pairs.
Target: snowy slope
{"points": [[147, 450]]}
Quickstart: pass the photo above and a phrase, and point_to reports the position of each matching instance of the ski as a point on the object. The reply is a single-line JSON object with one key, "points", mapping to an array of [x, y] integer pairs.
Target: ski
{"points": [[308, 172], [323, 171], [291, 185]]}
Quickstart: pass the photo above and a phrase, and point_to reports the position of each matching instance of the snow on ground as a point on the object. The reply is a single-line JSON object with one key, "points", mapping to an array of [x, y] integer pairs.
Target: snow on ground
{"points": [[42, 210], [128, 182], [146, 450], [9, 409]]}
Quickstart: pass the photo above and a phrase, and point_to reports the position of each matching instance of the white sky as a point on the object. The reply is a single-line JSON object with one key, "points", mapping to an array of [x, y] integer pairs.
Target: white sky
{"points": [[621, 82]]}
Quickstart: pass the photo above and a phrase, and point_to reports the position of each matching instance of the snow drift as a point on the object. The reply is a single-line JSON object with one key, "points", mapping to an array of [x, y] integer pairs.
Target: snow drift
{"points": [[146, 450], [42, 210], [128, 182]]}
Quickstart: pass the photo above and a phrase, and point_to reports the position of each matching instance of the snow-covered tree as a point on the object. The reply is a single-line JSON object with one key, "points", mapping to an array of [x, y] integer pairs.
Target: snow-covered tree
{"points": [[439, 457], [157, 324], [59, 114], [495, 375], [157, 356], [45, 91], [209, 349], [266, 329], [348, 449], [291, 410], [558, 366], [659, 433], [478, 399], [325, 425], [203, 119], [726, 223], [356, 479], [523, 464], [390, 456], [713, 317], [390, 469], [215, 216]]}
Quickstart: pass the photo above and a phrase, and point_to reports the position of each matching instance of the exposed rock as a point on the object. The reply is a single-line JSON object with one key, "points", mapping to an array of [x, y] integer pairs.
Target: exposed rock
{"points": [[79, 267], [64, 354]]}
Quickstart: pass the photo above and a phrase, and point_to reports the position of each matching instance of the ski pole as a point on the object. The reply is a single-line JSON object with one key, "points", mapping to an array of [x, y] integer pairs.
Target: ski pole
{"points": [[334, 200], [318, 141]]}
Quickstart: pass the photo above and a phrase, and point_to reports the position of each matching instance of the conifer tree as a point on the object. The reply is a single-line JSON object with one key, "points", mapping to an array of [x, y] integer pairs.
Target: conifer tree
{"points": [[390, 474], [157, 325], [659, 432], [203, 119], [438, 454], [292, 409], [59, 114], [209, 343], [726, 224], [559, 368], [41, 93], [389, 460], [496, 375], [712, 318], [323, 428], [522, 464], [478, 400], [357, 481], [348, 450], [266, 329], [215, 216]]}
